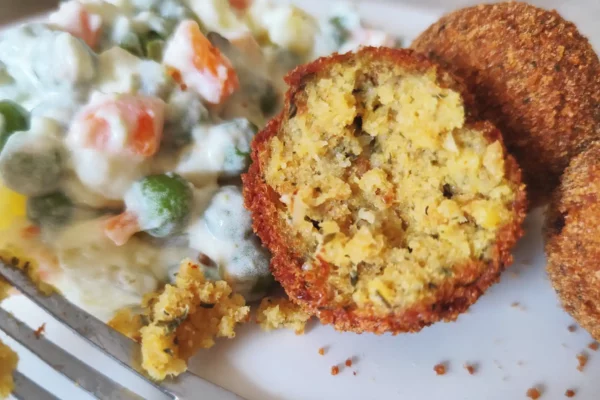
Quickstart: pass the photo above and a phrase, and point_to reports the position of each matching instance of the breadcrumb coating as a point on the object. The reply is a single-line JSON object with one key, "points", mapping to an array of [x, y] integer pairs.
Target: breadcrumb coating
{"points": [[276, 313], [385, 205], [8, 364], [533, 75], [572, 230], [186, 317]]}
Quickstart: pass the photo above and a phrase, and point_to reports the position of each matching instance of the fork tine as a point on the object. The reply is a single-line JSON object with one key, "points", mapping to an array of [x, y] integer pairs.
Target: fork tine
{"points": [[26, 389], [71, 367], [119, 347]]}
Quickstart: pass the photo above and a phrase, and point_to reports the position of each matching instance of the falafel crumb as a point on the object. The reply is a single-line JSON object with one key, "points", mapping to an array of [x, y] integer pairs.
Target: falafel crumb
{"points": [[570, 393], [354, 373], [335, 370], [40, 331], [322, 351], [594, 346], [533, 393], [440, 369], [582, 358], [8, 364], [471, 369], [186, 317], [572, 328], [128, 323], [280, 312], [348, 362]]}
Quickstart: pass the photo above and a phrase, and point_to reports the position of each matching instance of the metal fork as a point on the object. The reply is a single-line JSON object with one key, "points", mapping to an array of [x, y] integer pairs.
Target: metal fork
{"points": [[117, 346]]}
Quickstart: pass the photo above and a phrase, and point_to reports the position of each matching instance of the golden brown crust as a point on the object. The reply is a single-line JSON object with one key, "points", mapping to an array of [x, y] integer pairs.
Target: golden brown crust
{"points": [[572, 230], [309, 289], [533, 75]]}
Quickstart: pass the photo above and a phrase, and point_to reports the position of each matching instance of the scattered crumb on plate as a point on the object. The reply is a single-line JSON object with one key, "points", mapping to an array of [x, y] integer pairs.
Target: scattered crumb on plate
{"points": [[570, 393], [572, 328], [280, 312], [533, 393], [348, 362], [582, 358], [322, 351], [335, 370], [8, 363], [593, 346], [471, 368], [186, 317], [440, 369], [354, 373], [40, 331]]}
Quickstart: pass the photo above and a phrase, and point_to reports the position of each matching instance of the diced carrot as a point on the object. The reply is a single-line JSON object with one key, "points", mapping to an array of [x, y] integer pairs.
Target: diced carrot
{"points": [[176, 75], [142, 116], [240, 4], [72, 17], [30, 231], [202, 66], [121, 227]]}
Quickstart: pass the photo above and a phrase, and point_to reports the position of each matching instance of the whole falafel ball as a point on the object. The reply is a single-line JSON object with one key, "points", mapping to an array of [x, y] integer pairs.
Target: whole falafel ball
{"points": [[533, 75], [572, 231], [386, 207]]}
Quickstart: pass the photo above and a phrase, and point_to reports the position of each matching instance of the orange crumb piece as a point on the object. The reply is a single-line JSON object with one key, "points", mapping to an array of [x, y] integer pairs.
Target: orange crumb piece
{"points": [[40, 331], [572, 328], [348, 362], [570, 393], [582, 359], [594, 346], [335, 370], [470, 368], [322, 351], [533, 393], [440, 369]]}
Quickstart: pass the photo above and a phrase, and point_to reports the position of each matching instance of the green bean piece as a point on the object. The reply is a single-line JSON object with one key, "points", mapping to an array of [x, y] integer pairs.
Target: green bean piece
{"points": [[54, 209], [154, 49], [131, 42], [15, 118]]}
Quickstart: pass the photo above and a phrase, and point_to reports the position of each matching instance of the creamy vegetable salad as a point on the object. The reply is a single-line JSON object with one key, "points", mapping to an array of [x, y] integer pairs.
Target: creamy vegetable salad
{"points": [[124, 127]]}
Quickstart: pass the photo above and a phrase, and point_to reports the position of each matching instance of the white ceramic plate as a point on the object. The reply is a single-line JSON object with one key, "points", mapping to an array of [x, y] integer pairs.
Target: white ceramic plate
{"points": [[516, 334]]}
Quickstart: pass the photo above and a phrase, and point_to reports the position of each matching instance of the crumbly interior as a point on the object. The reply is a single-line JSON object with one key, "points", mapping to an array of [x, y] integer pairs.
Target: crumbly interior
{"points": [[8, 364], [276, 313], [186, 317], [382, 180]]}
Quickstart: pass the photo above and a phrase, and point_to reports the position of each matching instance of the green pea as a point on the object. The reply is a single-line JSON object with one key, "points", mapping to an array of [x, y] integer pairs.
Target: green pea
{"points": [[15, 118], [53, 209], [163, 204]]}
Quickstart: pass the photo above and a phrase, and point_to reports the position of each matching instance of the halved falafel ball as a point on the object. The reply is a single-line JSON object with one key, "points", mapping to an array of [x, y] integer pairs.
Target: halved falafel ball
{"points": [[572, 231], [533, 75], [385, 210]]}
